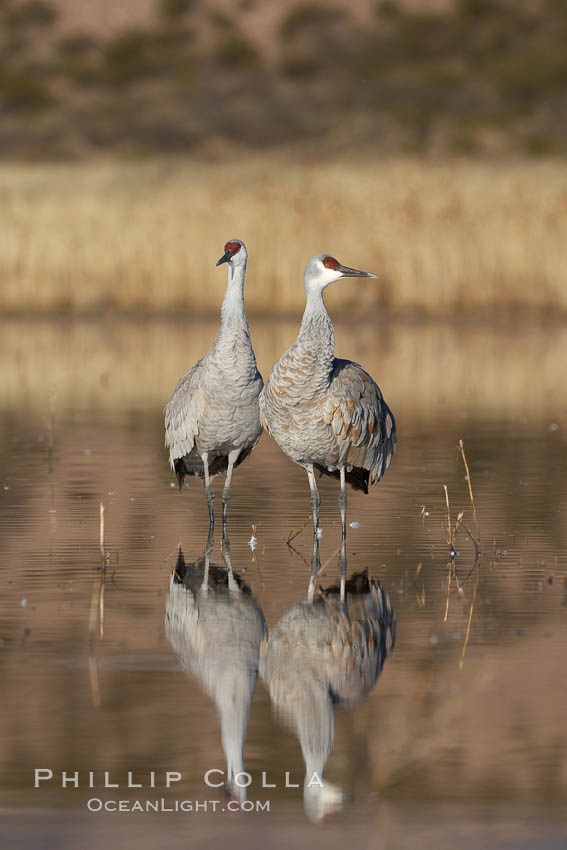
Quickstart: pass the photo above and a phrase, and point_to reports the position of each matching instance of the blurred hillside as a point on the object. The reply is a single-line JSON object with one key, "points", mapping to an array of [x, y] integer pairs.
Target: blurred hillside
{"points": [[456, 76]]}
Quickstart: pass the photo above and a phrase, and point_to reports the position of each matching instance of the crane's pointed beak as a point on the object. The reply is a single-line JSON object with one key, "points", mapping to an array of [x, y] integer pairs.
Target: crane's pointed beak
{"points": [[348, 272], [225, 258]]}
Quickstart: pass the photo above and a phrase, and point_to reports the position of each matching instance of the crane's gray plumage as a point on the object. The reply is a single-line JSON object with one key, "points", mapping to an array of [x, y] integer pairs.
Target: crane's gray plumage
{"points": [[321, 410], [323, 652], [215, 627], [212, 420], [327, 414]]}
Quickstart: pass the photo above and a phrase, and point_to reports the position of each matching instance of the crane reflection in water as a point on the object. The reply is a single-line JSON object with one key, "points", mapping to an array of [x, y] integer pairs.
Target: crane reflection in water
{"points": [[215, 627], [325, 650]]}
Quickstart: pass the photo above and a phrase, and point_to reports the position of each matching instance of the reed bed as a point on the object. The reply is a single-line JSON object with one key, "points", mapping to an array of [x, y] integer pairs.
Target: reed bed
{"points": [[144, 236], [428, 371]]}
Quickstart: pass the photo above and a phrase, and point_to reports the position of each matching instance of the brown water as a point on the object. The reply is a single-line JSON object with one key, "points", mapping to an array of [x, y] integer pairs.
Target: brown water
{"points": [[444, 754]]}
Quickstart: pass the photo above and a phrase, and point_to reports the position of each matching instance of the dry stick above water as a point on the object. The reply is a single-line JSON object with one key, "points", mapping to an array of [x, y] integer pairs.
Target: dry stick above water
{"points": [[462, 448], [476, 541], [291, 536], [97, 605], [102, 573], [452, 549], [451, 542]]}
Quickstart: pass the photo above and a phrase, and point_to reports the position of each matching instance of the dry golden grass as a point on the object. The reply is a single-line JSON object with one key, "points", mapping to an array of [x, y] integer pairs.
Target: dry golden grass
{"points": [[145, 236]]}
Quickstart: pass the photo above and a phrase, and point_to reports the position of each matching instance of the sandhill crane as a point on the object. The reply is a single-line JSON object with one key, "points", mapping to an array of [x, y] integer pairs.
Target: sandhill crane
{"points": [[215, 627], [323, 652], [212, 420], [326, 414]]}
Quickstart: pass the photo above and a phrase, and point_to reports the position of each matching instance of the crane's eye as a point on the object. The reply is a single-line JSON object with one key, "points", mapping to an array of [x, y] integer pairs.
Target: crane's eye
{"points": [[331, 263], [233, 247]]}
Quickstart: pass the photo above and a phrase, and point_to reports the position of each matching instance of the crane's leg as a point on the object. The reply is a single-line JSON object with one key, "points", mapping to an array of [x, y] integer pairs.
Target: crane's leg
{"points": [[343, 503], [209, 494], [315, 503], [232, 458], [343, 569], [343, 554], [208, 550], [232, 583]]}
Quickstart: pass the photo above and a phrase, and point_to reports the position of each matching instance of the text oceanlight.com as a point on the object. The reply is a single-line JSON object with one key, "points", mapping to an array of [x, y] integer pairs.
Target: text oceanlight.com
{"points": [[95, 804]]}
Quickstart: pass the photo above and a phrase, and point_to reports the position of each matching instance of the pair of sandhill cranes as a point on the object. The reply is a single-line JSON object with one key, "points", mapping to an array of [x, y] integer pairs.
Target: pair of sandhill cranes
{"points": [[326, 414]]}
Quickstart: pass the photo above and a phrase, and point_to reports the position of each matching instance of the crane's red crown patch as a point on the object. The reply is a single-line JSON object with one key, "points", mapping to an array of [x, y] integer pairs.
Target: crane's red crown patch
{"points": [[233, 247], [331, 263]]}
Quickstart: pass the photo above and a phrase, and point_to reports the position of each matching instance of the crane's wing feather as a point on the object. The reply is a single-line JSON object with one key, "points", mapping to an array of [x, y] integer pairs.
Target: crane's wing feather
{"points": [[182, 414], [361, 420], [261, 405]]}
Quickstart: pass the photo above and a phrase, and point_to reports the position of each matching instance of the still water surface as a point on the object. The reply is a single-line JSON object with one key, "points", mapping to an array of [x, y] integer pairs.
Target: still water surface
{"points": [[436, 752]]}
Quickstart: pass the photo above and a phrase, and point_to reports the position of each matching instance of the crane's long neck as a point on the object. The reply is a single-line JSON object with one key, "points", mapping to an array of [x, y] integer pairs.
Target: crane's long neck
{"points": [[234, 697], [316, 340], [233, 314], [233, 345], [312, 717]]}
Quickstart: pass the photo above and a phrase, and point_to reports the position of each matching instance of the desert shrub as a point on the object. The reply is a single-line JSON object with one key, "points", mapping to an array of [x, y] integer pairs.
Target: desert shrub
{"points": [[307, 17], [144, 53], [236, 53], [78, 44], [301, 65], [32, 13], [129, 57], [525, 76], [220, 20], [77, 58], [388, 9], [477, 9], [174, 9], [22, 91]]}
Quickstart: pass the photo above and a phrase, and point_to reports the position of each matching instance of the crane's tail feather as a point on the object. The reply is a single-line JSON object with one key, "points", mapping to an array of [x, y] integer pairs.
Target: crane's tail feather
{"points": [[357, 478], [180, 567], [179, 467]]}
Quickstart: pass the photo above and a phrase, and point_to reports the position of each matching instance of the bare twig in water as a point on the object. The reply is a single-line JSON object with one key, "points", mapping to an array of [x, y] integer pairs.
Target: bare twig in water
{"points": [[102, 574], [474, 539], [93, 678], [101, 538], [457, 524], [101, 605], [465, 643], [449, 573], [292, 548], [462, 448], [419, 589], [449, 526], [172, 554], [472, 569], [329, 559], [292, 536], [97, 607], [93, 669], [452, 533], [308, 565]]}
